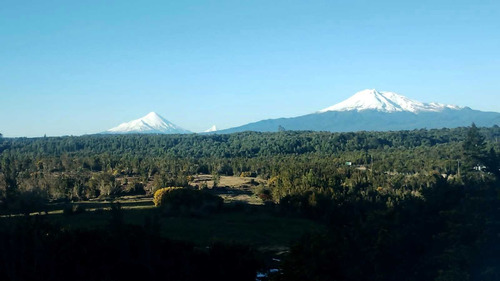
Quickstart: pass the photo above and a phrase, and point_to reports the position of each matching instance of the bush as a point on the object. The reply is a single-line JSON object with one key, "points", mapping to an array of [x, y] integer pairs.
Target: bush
{"points": [[247, 174], [71, 209], [30, 201], [187, 200], [265, 195], [161, 194], [134, 188]]}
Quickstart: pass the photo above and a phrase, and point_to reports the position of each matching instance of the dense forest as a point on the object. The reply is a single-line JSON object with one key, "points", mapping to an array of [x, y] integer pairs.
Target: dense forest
{"points": [[403, 205]]}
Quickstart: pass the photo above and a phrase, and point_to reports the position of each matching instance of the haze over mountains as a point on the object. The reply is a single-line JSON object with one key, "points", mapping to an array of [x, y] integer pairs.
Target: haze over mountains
{"points": [[367, 110]]}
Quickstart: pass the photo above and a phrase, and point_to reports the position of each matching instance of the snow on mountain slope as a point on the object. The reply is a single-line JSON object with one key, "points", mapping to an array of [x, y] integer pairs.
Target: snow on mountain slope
{"points": [[211, 129], [149, 124], [371, 99]]}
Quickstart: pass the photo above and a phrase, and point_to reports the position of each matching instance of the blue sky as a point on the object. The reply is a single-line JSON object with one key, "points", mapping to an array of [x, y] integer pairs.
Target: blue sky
{"points": [[79, 67]]}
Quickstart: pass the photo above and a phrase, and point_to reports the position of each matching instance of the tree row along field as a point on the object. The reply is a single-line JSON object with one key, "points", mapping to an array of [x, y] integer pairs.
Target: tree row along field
{"points": [[412, 205]]}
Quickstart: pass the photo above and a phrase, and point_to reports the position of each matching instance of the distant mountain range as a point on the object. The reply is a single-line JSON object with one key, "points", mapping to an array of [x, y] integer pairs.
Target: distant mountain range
{"points": [[371, 110], [367, 110]]}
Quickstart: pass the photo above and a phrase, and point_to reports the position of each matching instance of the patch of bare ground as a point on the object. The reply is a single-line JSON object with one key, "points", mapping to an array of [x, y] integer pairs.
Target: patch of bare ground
{"points": [[231, 188]]}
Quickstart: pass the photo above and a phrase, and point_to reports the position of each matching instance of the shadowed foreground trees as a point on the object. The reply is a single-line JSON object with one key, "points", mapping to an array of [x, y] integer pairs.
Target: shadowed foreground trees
{"points": [[33, 249], [450, 233]]}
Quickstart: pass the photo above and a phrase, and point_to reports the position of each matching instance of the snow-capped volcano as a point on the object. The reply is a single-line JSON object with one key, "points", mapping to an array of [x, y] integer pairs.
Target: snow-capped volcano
{"points": [[149, 124], [371, 99], [370, 110]]}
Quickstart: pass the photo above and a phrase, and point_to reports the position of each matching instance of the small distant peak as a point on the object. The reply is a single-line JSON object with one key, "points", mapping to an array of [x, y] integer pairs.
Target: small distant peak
{"points": [[211, 129]]}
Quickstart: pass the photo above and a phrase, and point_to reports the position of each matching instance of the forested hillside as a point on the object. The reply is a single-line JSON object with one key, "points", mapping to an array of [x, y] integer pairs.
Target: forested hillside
{"points": [[89, 166], [403, 205]]}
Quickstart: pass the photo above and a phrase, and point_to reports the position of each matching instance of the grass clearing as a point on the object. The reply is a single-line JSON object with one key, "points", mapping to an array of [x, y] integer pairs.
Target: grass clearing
{"points": [[248, 222], [232, 188], [253, 225]]}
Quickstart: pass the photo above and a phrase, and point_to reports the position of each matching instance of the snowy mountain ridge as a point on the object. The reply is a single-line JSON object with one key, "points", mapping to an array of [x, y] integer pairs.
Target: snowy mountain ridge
{"points": [[372, 99], [152, 123]]}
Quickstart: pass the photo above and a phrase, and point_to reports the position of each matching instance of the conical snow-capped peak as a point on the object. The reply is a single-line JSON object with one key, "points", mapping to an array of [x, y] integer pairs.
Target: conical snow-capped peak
{"points": [[211, 129], [372, 99], [152, 123]]}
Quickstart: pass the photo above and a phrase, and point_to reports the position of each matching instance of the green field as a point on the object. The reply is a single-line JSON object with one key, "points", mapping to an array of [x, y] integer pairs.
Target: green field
{"points": [[254, 225]]}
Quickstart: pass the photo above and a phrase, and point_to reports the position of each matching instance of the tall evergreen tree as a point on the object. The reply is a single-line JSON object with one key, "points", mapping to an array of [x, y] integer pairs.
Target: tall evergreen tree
{"points": [[474, 146]]}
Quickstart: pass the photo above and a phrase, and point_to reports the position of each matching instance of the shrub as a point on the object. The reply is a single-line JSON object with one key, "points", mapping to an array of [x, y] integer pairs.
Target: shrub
{"points": [[30, 201], [248, 174], [161, 194], [187, 200], [135, 187], [264, 194], [71, 209]]}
